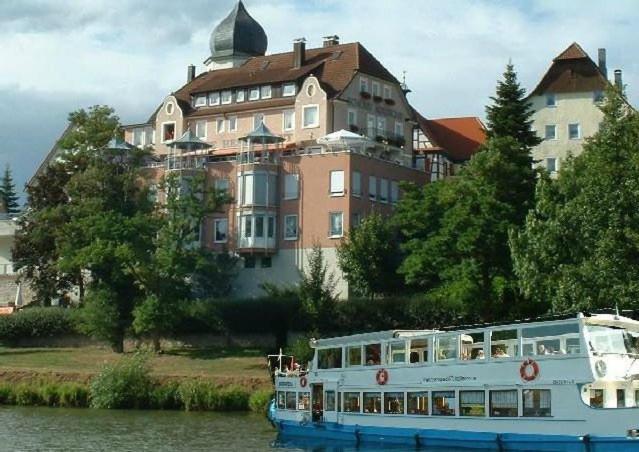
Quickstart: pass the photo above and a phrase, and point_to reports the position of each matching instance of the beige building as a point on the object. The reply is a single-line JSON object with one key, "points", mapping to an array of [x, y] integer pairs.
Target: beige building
{"points": [[8, 285]]}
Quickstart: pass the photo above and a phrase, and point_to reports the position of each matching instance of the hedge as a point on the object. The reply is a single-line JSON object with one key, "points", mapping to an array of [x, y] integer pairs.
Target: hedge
{"points": [[36, 323]]}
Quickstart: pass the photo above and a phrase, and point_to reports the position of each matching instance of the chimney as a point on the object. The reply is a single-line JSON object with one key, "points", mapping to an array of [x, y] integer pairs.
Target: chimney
{"points": [[618, 81], [331, 41], [190, 75], [602, 62], [299, 52]]}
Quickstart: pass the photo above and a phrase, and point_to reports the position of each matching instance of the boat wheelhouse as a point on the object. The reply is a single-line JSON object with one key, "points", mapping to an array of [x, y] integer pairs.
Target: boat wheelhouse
{"points": [[569, 384]]}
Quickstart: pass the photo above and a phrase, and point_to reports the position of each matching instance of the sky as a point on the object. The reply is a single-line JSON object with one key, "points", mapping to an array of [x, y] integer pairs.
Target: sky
{"points": [[57, 56]]}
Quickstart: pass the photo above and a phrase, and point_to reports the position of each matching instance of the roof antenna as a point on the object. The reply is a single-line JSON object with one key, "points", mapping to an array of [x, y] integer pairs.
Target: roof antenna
{"points": [[403, 85]]}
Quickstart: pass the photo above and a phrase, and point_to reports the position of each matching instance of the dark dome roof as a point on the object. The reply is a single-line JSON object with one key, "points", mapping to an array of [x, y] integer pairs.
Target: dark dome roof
{"points": [[238, 34]]}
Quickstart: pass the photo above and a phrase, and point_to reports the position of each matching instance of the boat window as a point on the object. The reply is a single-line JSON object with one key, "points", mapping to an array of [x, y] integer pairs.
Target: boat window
{"points": [[397, 352], [536, 402], [447, 347], [329, 405], [472, 345], [329, 358], [372, 402], [354, 356], [551, 339], [419, 351], [472, 403], [417, 403], [597, 398], [394, 402], [604, 339], [290, 400], [443, 403], [373, 354], [503, 403], [339, 401], [351, 402], [303, 401], [281, 400], [621, 398], [503, 344], [637, 397]]}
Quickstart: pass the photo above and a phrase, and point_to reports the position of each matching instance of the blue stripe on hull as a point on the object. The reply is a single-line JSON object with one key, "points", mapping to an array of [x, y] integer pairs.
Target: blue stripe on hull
{"points": [[389, 436]]}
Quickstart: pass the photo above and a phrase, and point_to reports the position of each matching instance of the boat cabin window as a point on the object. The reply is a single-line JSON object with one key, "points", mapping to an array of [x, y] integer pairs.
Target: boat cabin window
{"points": [[447, 347], [417, 403], [536, 402], [621, 398], [372, 402], [329, 358], [394, 403], [373, 354], [637, 397], [396, 352], [354, 356], [558, 339], [329, 403], [351, 402], [443, 403], [472, 403], [339, 401], [418, 351], [304, 401], [472, 346], [281, 400], [597, 398], [290, 400], [604, 339], [503, 403], [503, 344]]}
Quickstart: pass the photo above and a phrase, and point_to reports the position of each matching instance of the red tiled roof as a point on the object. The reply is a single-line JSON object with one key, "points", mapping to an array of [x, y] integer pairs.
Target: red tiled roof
{"points": [[459, 137], [574, 51]]}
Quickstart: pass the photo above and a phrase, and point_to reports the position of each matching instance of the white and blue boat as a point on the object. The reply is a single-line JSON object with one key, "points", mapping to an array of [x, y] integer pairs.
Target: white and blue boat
{"points": [[568, 384]]}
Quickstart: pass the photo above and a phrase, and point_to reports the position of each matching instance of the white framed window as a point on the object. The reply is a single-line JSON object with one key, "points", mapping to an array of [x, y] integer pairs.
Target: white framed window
{"points": [[169, 107], [310, 114], [200, 129], [288, 89], [232, 123], [387, 92], [265, 92], [220, 230], [550, 132], [168, 131], [383, 190], [288, 120], [574, 131], [214, 98], [221, 185], [258, 118], [399, 129], [336, 224], [551, 164], [138, 137], [372, 187], [219, 125], [363, 84], [370, 126], [226, 96], [239, 95], [352, 117], [381, 126], [291, 186], [337, 183], [551, 100], [290, 227], [200, 100], [254, 93], [376, 89], [394, 191], [150, 136], [356, 183]]}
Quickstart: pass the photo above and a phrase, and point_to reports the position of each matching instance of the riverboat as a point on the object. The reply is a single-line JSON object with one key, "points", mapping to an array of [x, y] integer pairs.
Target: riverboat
{"points": [[568, 384]]}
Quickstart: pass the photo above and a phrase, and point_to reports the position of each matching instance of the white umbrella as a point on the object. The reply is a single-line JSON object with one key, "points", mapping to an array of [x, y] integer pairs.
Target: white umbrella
{"points": [[341, 136]]}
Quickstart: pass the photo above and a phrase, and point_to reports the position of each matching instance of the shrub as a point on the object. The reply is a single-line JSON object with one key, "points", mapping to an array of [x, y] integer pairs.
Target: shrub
{"points": [[37, 322], [125, 384], [26, 395], [196, 395], [73, 395], [49, 394], [165, 396], [232, 398], [6, 394], [259, 400]]}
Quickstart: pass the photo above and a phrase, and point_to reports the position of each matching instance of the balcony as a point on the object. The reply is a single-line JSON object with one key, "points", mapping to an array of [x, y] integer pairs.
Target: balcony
{"points": [[186, 163], [384, 136]]}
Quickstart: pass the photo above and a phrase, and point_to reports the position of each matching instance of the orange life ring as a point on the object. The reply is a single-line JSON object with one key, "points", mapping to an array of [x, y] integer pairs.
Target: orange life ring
{"points": [[303, 382], [382, 377], [529, 370]]}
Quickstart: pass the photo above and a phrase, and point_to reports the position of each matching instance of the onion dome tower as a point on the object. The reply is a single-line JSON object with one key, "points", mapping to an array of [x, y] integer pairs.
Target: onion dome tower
{"points": [[235, 39]]}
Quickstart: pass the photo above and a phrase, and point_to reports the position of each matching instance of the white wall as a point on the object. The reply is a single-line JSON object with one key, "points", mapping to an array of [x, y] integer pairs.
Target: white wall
{"points": [[7, 232]]}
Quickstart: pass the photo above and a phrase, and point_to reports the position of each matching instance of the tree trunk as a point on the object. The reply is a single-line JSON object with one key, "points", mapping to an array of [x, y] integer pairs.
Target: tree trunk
{"points": [[156, 343], [118, 345]]}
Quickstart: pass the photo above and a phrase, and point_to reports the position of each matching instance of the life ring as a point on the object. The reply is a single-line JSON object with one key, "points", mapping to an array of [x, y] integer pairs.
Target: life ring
{"points": [[529, 370], [303, 382], [382, 377]]}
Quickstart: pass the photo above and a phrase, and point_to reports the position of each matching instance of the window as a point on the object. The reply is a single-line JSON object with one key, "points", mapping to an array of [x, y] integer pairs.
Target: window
{"points": [[370, 126], [200, 100], [337, 183], [291, 186], [290, 227], [372, 402], [503, 344], [372, 187], [288, 89], [551, 100], [637, 397], [551, 132], [472, 346], [336, 224], [270, 229], [376, 89], [233, 124], [168, 131], [351, 402], [352, 118], [290, 400], [200, 129], [310, 90], [249, 261], [574, 131], [597, 398], [214, 98], [259, 226], [169, 108], [239, 95], [621, 398], [266, 262], [329, 358], [551, 164], [418, 351], [447, 347], [310, 115], [221, 228], [417, 403], [443, 403], [551, 339], [254, 93], [220, 125], [394, 403], [357, 220], [265, 92], [396, 353], [387, 92], [363, 85], [399, 129], [503, 403], [226, 96], [381, 126], [536, 402], [258, 119], [356, 183], [138, 137], [373, 354], [329, 405], [383, 190], [281, 400], [303, 401], [248, 226], [354, 356], [394, 193], [471, 403], [598, 96], [288, 120]]}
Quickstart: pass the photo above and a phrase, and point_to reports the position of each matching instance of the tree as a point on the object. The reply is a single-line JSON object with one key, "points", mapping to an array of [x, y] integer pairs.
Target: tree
{"points": [[316, 291], [8, 194], [370, 257], [580, 245]]}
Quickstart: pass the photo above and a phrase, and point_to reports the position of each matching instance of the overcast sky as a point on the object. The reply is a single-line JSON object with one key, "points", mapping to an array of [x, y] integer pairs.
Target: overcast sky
{"points": [[60, 55]]}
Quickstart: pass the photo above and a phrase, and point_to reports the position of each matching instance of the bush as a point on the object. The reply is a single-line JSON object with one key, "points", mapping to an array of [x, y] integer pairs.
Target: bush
{"points": [[37, 322], [196, 395], [6, 394], [232, 398], [259, 400], [27, 395], [73, 395], [126, 384], [165, 396]]}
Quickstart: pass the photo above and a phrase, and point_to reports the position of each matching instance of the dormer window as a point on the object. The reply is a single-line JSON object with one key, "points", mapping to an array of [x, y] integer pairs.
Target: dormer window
{"points": [[387, 92], [266, 92], [239, 95], [214, 98], [288, 89], [200, 100], [551, 100], [363, 85], [254, 93], [226, 97]]}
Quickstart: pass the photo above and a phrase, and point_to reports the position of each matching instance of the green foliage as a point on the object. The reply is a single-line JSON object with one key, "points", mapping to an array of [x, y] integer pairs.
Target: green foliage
{"points": [[259, 400], [125, 384], [580, 246], [37, 322], [71, 395], [317, 291], [165, 396], [8, 196], [301, 349]]}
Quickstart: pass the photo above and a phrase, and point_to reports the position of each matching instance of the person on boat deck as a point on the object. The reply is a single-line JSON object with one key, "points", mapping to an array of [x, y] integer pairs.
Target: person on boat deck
{"points": [[500, 353], [480, 355], [541, 350]]}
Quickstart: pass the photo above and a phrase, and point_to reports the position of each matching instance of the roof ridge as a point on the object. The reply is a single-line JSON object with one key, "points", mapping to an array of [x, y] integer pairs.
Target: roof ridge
{"points": [[573, 52]]}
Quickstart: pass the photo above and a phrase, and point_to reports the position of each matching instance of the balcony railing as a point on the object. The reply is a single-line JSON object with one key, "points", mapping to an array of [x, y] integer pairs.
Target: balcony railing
{"points": [[186, 163], [384, 136]]}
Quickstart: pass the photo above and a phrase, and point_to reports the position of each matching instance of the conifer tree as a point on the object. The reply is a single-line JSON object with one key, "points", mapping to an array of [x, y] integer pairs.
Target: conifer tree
{"points": [[8, 192]]}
